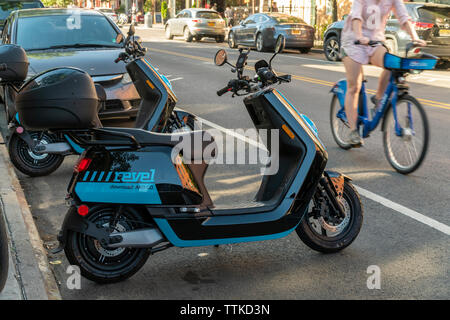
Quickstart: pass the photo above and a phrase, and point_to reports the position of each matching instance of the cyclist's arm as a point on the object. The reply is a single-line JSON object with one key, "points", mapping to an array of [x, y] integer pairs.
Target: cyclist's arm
{"points": [[357, 20], [404, 19]]}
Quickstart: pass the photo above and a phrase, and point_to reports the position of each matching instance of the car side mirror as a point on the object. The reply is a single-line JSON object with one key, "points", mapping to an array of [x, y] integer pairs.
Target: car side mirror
{"points": [[119, 38]]}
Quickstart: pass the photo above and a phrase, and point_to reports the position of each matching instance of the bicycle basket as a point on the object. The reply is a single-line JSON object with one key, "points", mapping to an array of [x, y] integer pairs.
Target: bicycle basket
{"points": [[395, 62]]}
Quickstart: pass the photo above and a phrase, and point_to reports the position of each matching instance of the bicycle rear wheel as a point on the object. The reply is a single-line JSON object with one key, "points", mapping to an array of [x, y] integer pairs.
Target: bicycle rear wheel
{"points": [[406, 150]]}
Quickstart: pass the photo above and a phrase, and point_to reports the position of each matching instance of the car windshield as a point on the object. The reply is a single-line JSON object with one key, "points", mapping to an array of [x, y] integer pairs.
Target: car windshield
{"points": [[286, 18], [65, 31], [437, 15], [207, 15], [7, 6]]}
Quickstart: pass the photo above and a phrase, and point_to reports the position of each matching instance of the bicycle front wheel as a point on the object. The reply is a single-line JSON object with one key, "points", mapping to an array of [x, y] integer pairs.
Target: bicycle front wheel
{"points": [[339, 127], [406, 146]]}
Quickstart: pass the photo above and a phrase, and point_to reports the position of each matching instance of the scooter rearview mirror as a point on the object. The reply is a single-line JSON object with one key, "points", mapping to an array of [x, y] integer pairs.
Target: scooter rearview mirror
{"points": [[131, 30], [279, 46], [220, 58]]}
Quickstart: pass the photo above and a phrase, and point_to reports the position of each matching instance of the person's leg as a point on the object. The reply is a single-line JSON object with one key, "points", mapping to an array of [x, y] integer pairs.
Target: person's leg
{"points": [[353, 71], [377, 59]]}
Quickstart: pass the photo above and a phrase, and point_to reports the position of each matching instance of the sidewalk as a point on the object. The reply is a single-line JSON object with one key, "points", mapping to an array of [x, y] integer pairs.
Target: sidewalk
{"points": [[30, 277]]}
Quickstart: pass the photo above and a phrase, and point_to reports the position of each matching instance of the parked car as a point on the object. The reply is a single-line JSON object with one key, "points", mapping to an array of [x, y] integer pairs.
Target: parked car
{"points": [[261, 30], [6, 7], [196, 24], [432, 23], [79, 38], [109, 13]]}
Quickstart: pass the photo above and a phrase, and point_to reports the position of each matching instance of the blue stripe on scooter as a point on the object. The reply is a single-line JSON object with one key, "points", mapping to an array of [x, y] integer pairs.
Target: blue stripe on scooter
{"points": [[74, 146], [134, 193], [173, 238]]}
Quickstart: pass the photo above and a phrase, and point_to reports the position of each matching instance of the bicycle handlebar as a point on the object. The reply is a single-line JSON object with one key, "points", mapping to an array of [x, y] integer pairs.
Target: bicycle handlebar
{"points": [[371, 43]]}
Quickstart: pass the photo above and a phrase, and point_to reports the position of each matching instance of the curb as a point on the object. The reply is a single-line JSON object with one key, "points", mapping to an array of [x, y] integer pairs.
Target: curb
{"points": [[34, 275]]}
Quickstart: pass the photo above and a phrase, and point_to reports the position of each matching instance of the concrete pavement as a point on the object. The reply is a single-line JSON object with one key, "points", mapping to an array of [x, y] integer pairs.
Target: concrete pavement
{"points": [[29, 277]]}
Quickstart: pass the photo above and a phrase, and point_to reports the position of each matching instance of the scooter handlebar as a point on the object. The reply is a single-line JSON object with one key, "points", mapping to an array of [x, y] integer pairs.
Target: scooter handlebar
{"points": [[223, 91]]}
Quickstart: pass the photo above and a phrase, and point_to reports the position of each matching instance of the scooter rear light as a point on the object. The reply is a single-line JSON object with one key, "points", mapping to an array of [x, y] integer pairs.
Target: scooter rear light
{"points": [[83, 210], [82, 165]]}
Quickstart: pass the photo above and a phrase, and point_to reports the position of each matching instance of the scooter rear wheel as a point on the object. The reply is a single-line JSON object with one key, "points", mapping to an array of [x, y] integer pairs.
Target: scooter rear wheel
{"points": [[29, 163], [102, 264], [328, 234]]}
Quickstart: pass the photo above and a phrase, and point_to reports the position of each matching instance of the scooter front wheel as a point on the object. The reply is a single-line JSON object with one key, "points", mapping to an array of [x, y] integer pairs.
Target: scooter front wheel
{"points": [[103, 264], [323, 230], [30, 163]]}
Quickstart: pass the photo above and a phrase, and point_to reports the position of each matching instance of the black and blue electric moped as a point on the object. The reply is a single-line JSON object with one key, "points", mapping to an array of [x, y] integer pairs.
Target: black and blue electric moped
{"points": [[132, 195]]}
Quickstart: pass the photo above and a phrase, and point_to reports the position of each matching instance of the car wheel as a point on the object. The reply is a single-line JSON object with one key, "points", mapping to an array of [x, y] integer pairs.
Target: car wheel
{"points": [[187, 35], [169, 35], [391, 45], [331, 48], [259, 43], [220, 39], [305, 50], [231, 41]]}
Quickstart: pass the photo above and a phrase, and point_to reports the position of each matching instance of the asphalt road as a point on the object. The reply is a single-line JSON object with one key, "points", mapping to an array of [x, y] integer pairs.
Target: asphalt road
{"points": [[412, 254]]}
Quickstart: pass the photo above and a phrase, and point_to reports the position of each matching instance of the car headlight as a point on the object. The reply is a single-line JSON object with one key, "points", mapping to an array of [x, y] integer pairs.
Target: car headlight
{"points": [[126, 79]]}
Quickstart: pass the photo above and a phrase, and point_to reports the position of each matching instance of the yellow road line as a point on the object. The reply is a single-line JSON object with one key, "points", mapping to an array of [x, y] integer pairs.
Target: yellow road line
{"points": [[431, 103]]}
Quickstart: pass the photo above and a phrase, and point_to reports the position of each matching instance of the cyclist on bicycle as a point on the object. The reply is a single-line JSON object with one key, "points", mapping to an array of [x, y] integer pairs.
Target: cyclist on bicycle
{"points": [[366, 22]]}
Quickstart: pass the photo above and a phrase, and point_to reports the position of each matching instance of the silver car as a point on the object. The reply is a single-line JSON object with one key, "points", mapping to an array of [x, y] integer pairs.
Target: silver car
{"points": [[109, 13], [196, 24]]}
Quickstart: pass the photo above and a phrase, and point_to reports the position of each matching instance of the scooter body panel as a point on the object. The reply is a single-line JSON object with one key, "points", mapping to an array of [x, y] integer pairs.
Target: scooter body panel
{"points": [[276, 217], [143, 177]]}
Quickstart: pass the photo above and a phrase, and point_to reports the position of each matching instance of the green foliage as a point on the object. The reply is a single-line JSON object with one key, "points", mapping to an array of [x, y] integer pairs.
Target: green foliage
{"points": [[148, 6], [58, 3], [121, 9], [164, 10]]}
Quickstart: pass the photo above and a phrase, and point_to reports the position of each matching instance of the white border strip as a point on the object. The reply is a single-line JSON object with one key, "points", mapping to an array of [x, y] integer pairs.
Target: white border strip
{"points": [[405, 211]]}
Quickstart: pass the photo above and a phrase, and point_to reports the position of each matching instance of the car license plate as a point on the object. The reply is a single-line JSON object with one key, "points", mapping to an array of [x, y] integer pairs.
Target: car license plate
{"points": [[296, 31], [211, 24], [445, 33]]}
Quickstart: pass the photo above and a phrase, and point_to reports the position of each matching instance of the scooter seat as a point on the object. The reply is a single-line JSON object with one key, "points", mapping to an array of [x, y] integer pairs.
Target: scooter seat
{"points": [[185, 141]]}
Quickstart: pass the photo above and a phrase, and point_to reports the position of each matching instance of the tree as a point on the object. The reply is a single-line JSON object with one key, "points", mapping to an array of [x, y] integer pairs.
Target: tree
{"points": [[164, 10], [148, 6], [334, 8], [58, 3]]}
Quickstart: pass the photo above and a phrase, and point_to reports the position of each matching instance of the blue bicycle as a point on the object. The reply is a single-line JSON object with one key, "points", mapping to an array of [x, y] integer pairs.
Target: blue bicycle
{"points": [[405, 125]]}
